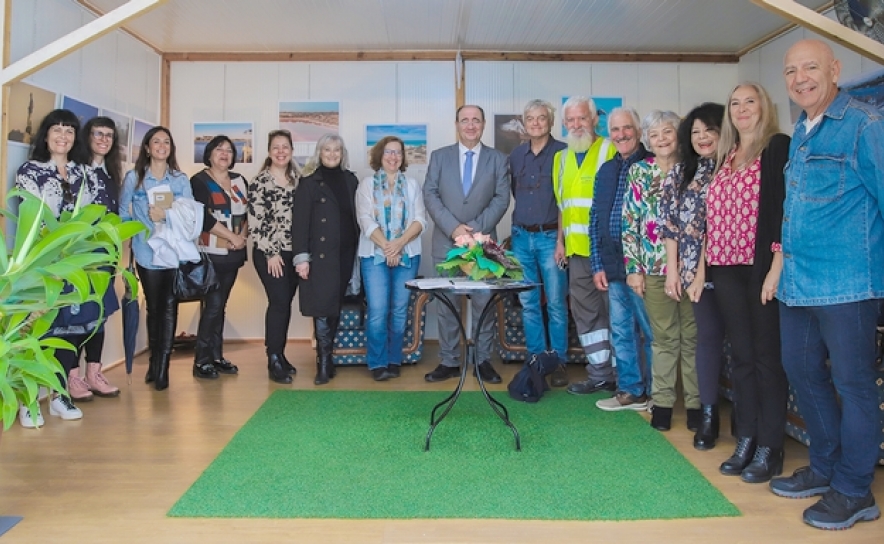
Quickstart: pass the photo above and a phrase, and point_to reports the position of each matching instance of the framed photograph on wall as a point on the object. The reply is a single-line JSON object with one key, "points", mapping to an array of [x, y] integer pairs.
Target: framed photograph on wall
{"points": [[604, 105], [28, 105], [124, 127], [308, 120], [413, 136], [81, 109], [509, 132], [242, 135], [139, 129]]}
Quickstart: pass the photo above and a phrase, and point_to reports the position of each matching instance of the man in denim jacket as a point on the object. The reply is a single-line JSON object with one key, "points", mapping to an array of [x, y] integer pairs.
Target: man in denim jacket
{"points": [[832, 280]]}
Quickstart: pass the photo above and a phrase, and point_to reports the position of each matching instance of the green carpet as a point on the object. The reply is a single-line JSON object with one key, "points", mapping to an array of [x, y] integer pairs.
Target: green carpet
{"points": [[359, 454]]}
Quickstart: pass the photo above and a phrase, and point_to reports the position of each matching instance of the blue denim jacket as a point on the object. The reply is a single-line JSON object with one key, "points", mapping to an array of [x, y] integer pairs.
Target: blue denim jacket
{"points": [[833, 216], [133, 205]]}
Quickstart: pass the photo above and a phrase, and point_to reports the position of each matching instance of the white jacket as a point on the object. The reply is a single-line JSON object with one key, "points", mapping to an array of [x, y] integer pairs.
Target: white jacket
{"points": [[175, 241]]}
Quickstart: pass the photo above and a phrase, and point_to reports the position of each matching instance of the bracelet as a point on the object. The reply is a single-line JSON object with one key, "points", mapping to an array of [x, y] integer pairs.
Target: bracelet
{"points": [[776, 247]]}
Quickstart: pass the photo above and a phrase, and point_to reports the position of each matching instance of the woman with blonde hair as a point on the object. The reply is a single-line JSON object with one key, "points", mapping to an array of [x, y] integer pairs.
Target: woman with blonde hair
{"points": [[744, 220], [325, 236]]}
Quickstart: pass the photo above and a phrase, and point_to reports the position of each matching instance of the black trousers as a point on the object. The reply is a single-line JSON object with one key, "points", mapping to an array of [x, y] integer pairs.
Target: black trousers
{"points": [[162, 308], [280, 292], [213, 307], [758, 378], [93, 347]]}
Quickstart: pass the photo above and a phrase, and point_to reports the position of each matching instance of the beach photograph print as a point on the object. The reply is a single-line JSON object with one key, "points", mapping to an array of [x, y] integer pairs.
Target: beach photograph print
{"points": [[308, 121], [509, 132], [28, 105], [139, 130], [241, 134], [124, 125], [81, 109], [413, 136]]}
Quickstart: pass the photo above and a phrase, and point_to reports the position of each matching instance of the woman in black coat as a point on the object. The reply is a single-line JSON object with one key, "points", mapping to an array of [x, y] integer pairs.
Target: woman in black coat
{"points": [[325, 235]]}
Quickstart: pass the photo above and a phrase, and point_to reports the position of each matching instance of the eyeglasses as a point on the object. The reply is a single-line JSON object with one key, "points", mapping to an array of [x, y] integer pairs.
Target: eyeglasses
{"points": [[394, 152], [99, 135], [473, 121]]}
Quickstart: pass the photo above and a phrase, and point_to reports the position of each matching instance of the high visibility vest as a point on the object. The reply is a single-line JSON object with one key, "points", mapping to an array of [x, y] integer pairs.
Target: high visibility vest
{"points": [[574, 190]]}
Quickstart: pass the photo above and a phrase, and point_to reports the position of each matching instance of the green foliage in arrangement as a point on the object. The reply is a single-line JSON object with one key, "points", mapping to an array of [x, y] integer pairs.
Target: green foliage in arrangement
{"points": [[55, 262]]}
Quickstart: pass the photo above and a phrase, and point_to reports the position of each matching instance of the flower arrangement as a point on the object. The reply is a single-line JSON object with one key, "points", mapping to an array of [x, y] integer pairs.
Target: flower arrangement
{"points": [[480, 258]]}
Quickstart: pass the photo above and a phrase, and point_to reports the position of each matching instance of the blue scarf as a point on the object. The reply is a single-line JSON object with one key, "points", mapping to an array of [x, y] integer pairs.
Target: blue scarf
{"points": [[390, 212]]}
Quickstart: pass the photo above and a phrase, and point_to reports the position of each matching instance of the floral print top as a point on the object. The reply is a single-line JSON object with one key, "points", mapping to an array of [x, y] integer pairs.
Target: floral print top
{"points": [[644, 250], [270, 214], [684, 216], [732, 216], [43, 180]]}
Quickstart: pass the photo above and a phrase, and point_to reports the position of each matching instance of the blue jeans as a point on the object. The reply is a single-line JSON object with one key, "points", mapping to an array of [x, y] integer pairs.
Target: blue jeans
{"points": [[387, 299], [536, 253], [631, 338], [843, 438]]}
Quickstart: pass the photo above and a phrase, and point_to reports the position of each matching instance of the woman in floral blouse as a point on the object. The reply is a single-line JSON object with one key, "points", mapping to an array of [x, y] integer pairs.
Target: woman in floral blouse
{"points": [[271, 198], [684, 228], [644, 254], [744, 224]]}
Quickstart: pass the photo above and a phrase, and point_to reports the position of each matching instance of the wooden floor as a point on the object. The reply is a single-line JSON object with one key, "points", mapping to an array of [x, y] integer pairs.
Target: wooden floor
{"points": [[112, 476]]}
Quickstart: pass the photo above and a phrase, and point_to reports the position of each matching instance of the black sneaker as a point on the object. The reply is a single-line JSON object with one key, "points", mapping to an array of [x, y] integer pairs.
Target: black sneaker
{"points": [[591, 386], [837, 511], [803, 483]]}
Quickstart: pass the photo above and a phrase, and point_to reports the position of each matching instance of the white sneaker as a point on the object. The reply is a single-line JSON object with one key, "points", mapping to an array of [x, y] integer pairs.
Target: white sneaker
{"points": [[64, 408], [24, 417]]}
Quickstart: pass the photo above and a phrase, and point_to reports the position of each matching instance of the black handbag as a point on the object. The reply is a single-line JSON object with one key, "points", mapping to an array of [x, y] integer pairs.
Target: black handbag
{"points": [[193, 281]]}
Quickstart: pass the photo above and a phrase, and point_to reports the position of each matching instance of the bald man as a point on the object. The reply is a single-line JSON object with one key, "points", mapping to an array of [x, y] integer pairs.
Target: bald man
{"points": [[831, 286]]}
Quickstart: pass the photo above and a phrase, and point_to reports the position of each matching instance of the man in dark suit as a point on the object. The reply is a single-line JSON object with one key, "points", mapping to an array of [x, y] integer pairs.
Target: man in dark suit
{"points": [[466, 191]]}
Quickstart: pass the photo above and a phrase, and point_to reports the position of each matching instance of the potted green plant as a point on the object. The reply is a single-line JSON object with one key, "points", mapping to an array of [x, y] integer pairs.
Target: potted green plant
{"points": [[81, 249]]}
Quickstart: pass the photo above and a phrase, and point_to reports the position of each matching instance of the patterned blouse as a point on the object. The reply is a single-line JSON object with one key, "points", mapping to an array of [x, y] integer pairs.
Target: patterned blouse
{"points": [[270, 214], [685, 216], [732, 217], [43, 180], [644, 250]]}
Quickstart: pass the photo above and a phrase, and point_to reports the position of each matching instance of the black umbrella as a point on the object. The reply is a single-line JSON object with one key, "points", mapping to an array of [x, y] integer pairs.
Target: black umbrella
{"points": [[131, 316]]}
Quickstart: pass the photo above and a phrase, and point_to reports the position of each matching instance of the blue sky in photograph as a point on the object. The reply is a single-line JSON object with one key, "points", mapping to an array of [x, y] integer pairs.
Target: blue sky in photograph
{"points": [[308, 106], [410, 134], [232, 130]]}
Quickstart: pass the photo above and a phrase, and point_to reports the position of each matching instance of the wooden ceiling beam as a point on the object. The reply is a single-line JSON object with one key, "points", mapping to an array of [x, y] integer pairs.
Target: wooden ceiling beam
{"points": [[826, 27], [329, 56]]}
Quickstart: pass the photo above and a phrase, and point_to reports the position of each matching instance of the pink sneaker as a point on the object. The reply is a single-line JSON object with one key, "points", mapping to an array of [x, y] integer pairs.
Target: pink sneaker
{"points": [[77, 388], [97, 383]]}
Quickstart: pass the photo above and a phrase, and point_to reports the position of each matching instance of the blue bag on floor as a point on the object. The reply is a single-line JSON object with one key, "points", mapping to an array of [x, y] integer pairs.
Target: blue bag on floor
{"points": [[529, 383]]}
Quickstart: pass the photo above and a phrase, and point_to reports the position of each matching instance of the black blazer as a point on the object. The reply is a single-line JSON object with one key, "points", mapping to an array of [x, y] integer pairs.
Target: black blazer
{"points": [[770, 201]]}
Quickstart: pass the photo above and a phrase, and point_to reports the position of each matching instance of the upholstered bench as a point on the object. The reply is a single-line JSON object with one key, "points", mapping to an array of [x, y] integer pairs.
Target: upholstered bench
{"points": [[350, 342], [510, 334]]}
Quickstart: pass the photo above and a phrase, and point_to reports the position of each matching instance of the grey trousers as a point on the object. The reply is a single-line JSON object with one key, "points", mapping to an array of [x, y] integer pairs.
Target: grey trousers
{"points": [[589, 307]]}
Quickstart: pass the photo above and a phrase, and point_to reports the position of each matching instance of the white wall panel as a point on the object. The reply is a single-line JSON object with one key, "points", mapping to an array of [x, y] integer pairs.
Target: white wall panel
{"points": [[658, 88], [705, 83]]}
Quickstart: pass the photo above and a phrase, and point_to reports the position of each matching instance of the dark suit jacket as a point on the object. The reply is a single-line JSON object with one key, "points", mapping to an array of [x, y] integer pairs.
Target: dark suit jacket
{"points": [[446, 204]]}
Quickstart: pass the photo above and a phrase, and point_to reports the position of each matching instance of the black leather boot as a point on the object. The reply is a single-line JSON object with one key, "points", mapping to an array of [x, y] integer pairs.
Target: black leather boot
{"points": [[277, 370], [766, 463], [151, 370], [661, 418], [288, 366], [694, 415], [741, 458], [324, 329], [707, 432], [162, 375]]}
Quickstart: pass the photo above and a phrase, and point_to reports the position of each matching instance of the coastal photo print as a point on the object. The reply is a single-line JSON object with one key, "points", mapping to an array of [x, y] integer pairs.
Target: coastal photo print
{"points": [[308, 120], [81, 109], [28, 105], [509, 132], [413, 136], [124, 126], [603, 106], [139, 130], [242, 135]]}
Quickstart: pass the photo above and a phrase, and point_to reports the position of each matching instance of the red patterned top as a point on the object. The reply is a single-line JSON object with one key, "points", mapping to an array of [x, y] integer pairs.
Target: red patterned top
{"points": [[732, 214]]}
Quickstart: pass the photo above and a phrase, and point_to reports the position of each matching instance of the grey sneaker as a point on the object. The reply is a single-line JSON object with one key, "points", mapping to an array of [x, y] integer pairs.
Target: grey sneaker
{"points": [[623, 401], [838, 511], [803, 483]]}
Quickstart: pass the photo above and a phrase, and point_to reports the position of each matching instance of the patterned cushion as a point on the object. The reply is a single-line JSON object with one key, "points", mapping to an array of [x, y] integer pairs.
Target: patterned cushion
{"points": [[350, 345]]}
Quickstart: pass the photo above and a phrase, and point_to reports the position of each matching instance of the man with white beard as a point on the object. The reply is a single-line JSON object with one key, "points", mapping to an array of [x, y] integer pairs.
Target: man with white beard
{"points": [[574, 171]]}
